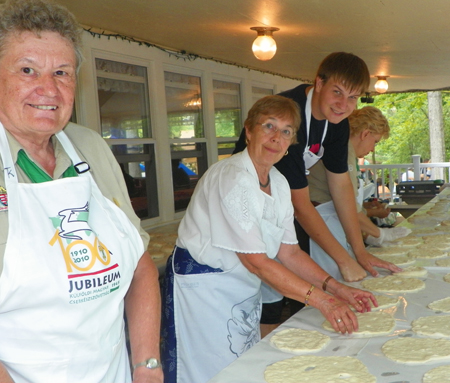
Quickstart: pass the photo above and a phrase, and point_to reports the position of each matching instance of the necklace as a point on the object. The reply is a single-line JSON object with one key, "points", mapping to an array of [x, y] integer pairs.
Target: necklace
{"points": [[267, 184]]}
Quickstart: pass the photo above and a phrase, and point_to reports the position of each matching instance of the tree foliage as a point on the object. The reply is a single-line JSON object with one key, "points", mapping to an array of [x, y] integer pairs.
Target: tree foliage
{"points": [[407, 114]]}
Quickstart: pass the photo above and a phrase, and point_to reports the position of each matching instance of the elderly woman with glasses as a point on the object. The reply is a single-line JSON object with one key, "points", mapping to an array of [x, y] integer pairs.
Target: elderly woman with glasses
{"points": [[239, 220]]}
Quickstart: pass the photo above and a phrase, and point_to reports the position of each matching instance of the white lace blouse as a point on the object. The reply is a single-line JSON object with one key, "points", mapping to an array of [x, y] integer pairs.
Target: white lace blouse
{"points": [[228, 213]]}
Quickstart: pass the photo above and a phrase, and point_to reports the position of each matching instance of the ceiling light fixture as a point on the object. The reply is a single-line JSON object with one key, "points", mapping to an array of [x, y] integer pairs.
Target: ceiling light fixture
{"points": [[264, 47], [381, 86]]}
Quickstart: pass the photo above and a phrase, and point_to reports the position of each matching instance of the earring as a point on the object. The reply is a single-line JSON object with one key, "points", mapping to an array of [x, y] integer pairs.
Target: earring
{"points": [[246, 141], [287, 151]]}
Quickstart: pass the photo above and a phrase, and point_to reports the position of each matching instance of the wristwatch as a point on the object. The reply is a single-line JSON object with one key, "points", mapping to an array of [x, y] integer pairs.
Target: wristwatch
{"points": [[151, 363]]}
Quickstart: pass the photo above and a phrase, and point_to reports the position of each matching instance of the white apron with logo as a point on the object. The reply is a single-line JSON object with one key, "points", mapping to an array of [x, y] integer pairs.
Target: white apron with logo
{"points": [[329, 215], [69, 260]]}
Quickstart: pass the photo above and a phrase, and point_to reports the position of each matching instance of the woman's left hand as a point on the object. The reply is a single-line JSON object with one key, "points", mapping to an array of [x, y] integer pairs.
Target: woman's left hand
{"points": [[369, 261], [361, 300]]}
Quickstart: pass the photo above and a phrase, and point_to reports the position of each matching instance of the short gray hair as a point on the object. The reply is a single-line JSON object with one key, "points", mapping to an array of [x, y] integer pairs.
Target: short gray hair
{"points": [[38, 16]]}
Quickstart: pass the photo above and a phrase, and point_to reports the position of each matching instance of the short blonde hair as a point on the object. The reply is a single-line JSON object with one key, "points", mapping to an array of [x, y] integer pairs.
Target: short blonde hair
{"points": [[369, 118], [277, 106]]}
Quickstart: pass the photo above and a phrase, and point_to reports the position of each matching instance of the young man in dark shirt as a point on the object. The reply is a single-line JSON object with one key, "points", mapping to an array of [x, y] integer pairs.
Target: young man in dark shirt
{"points": [[324, 132]]}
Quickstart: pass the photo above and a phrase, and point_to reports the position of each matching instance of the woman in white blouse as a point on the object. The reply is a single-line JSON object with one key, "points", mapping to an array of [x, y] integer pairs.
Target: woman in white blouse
{"points": [[239, 219]]}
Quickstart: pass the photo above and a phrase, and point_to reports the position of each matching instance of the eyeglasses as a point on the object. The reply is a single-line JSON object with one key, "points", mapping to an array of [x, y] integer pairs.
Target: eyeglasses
{"points": [[269, 128]]}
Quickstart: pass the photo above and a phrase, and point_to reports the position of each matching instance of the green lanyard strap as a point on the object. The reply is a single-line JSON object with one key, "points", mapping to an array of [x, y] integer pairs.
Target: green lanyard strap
{"points": [[35, 173]]}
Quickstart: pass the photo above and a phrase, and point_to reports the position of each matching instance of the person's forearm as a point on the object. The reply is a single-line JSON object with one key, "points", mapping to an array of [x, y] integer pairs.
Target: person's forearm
{"points": [[367, 225], [312, 222], [286, 278], [143, 310], [4, 375], [345, 205]]}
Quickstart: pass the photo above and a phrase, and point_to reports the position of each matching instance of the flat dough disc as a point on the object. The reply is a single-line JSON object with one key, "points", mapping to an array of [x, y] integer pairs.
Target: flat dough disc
{"points": [[393, 250], [412, 271], [416, 350], [443, 262], [385, 301], [372, 323], [447, 278], [399, 260], [393, 284], [432, 252], [313, 369], [409, 241], [439, 374], [441, 305], [435, 326], [296, 340]]}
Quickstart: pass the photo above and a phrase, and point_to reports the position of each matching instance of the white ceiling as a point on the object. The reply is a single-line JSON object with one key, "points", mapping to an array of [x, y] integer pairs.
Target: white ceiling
{"points": [[408, 40]]}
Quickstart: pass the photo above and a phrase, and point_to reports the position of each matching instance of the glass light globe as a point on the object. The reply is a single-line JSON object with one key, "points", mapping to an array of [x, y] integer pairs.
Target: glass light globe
{"points": [[381, 86], [264, 47]]}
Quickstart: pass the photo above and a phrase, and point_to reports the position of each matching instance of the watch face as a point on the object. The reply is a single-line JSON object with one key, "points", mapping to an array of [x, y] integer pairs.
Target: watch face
{"points": [[152, 363]]}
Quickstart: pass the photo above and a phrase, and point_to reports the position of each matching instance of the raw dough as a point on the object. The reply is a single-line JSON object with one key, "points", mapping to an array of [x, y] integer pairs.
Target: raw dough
{"points": [[447, 278], [443, 262], [393, 250], [385, 301], [412, 271], [408, 241], [416, 350], [370, 324], [430, 253], [313, 369], [439, 374], [393, 284], [436, 326], [441, 305], [433, 246], [297, 340], [399, 260]]}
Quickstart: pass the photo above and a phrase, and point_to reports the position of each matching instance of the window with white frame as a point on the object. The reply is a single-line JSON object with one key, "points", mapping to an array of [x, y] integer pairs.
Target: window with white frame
{"points": [[227, 115], [125, 118], [186, 134], [259, 92]]}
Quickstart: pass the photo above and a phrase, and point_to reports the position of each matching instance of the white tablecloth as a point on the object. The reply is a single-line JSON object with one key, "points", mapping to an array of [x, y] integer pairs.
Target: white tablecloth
{"points": [[249, 368]]}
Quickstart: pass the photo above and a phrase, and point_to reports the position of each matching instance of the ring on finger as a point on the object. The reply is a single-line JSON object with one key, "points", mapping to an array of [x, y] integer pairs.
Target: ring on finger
{"points": [[339, 320], [360, 302]]}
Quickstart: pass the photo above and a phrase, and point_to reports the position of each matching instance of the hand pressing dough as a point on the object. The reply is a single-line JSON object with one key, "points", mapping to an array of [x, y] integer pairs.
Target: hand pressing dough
{"points": [[297, 340], [416, 350], [436, 326], [412, 271], [370, 324], [393, 284], [439, 374], [313, 369], [441, 305]]}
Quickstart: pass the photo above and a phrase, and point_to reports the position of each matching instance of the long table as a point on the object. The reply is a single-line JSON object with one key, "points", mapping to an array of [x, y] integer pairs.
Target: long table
{"points": [[250, 367]]}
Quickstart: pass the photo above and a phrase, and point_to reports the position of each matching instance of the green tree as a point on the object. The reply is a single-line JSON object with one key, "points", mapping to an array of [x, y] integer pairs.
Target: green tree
{"points": [[407, 114]]}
